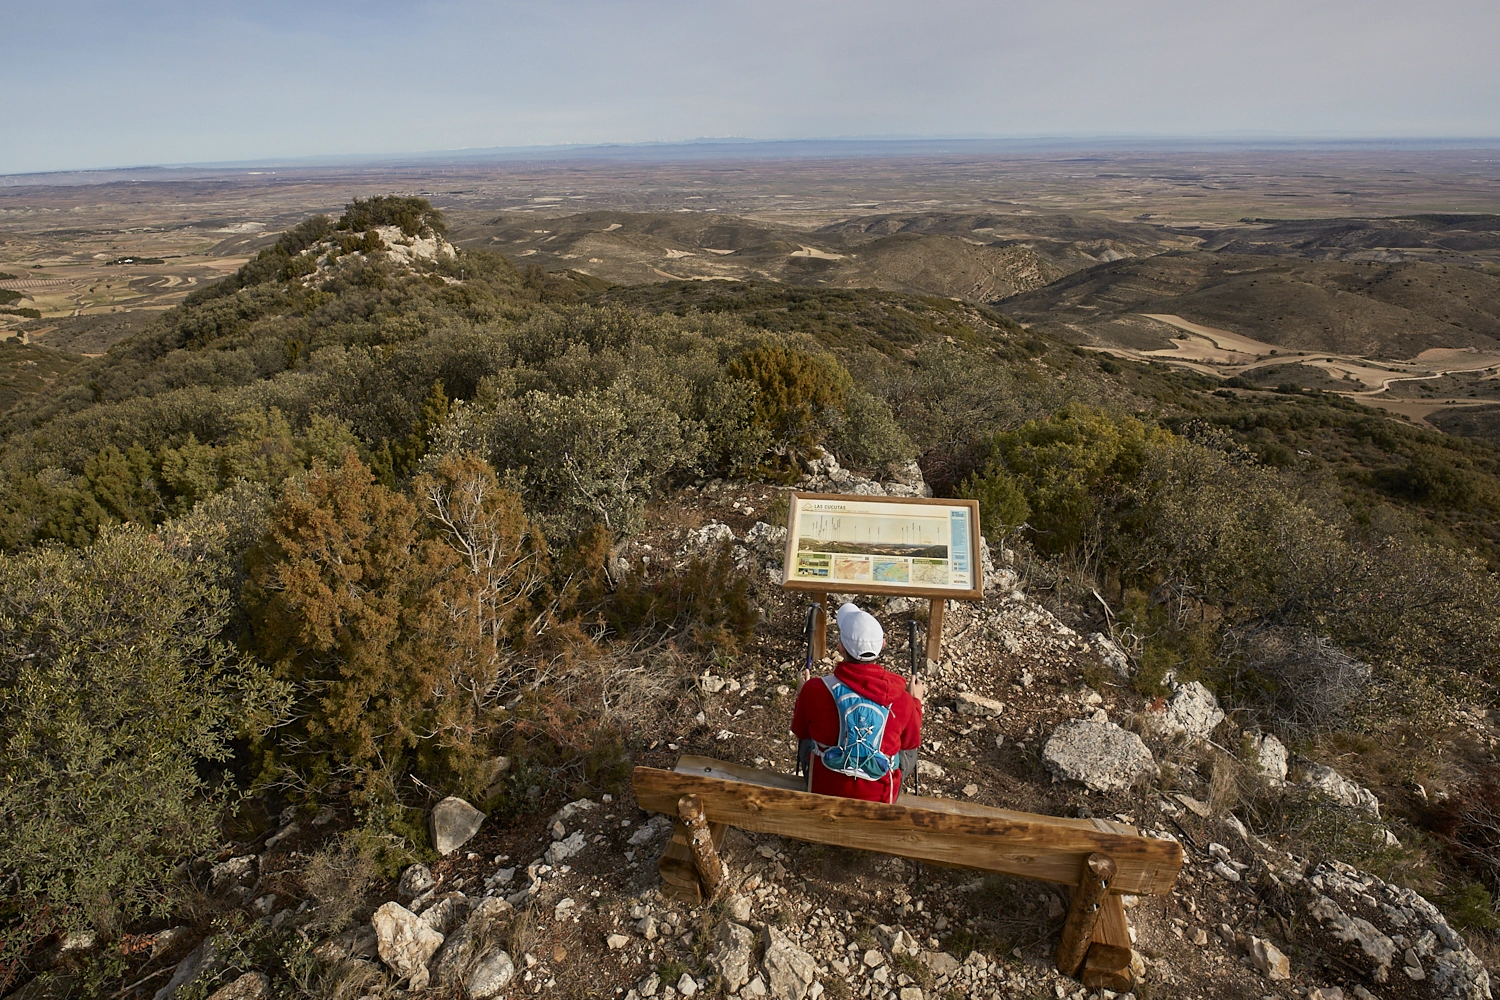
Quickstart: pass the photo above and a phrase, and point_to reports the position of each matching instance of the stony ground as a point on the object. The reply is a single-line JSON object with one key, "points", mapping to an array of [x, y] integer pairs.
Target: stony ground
{"points": [[1023, 712]]}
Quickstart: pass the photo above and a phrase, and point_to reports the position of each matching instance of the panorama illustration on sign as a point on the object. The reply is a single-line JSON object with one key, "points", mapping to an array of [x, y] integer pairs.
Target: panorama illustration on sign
{"points": [[855, 543]]}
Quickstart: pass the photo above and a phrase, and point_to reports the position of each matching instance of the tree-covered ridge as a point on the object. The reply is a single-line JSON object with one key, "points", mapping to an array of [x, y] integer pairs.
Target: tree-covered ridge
{"points": [[305, 354]]}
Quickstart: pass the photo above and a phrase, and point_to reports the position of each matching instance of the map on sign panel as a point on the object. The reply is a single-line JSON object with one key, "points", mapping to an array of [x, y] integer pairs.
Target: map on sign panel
{"points": [[864, 544]]}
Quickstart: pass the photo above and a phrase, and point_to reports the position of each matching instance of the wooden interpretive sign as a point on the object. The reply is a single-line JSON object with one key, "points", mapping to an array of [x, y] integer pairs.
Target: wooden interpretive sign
{"points": [[883, 546]]}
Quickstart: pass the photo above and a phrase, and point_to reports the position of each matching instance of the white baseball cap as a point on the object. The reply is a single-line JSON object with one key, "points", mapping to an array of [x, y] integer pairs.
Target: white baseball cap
{"points": [[859, 633]]}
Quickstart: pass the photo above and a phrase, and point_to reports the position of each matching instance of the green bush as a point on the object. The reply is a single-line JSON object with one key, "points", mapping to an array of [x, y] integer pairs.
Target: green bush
{"points": [[415, 216], [115, 690], [864, 435], [397, 621], [592, 458], [1074, 471], [797, 393]]}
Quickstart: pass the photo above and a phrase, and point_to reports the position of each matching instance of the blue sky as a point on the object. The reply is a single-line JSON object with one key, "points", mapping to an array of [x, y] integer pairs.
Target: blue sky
{"points": [[132, 82]]}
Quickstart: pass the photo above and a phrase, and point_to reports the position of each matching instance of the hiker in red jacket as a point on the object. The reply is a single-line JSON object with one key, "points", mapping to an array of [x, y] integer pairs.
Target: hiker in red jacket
{"points": [[858, 729]]}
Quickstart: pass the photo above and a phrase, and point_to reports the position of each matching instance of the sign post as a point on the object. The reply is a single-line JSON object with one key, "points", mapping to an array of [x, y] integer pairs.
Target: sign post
{"points": [[884, 546]]}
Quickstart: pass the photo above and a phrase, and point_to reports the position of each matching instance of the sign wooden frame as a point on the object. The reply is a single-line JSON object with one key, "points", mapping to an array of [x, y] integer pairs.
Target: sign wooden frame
{"points": [[974, 593], [938, 597]]}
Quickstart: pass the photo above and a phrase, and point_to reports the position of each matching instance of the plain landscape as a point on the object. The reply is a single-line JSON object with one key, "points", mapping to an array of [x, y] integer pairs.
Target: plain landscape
{"points": [[331, 492]]}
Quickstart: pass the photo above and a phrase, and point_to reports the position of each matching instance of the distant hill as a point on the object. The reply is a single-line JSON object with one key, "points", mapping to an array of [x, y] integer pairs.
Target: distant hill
{"points": [[1372, 309], [1390, 240], [974, 257]]}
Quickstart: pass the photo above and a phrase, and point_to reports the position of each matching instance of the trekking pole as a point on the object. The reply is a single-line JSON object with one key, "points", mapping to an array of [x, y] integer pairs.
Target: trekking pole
{"points": [[807, 635], [916, 773], [807, 659], [911, 645]]}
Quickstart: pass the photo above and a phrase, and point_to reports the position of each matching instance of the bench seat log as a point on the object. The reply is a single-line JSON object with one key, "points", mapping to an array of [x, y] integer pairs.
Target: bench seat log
{"points": [[1107, 965], [943, 831]]}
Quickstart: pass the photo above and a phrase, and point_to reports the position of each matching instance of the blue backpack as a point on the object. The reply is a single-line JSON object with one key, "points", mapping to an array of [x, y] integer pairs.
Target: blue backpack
{"points": [[861, 732]]}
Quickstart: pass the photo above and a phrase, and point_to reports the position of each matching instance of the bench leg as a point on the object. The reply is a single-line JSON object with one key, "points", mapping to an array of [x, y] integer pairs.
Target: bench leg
{"points": [[1083, 913], [1107, 965], [679, 870], [701, 843]]}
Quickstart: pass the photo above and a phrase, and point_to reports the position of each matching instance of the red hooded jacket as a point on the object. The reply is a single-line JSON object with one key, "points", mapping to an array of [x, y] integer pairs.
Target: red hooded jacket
{"points": [[816, 718]]}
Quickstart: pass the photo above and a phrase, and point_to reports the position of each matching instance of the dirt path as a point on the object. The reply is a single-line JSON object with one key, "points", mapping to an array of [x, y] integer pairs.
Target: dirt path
{"points": [[1223, 340], [1418, 409]]}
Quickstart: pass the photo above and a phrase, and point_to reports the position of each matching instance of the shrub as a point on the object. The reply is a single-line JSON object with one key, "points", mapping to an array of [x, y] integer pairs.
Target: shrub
{"points": [[703, 606], [865, 435], [796, 390], [114, 690], [1073, 470], [594, 457], [1296, 679], [415, 216], [1468, 822], [397, 625]]}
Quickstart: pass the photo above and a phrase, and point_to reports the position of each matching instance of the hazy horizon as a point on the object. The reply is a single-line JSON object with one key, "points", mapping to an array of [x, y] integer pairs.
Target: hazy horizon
{"points": [[165, 82]]}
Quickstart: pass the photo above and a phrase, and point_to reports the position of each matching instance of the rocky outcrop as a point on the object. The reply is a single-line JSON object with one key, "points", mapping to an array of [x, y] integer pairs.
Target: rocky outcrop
{"points": [[1392, 932], [1097, 753], [825, 475], [406, 249]]}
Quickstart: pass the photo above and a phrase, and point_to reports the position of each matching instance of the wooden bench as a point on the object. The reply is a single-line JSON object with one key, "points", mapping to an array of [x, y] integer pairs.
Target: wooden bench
{"points": [[1100, 859]]}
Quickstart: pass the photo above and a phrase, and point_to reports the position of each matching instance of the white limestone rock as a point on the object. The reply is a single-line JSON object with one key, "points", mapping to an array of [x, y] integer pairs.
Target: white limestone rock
{"points": [[250, 986], [1113, 656], [1271, 758], [789, 970], [732, 954], [405, 942], [1193, 711], [1340, 789], [1269, 960], [978, 705], [491, 975], [1097, 753]]}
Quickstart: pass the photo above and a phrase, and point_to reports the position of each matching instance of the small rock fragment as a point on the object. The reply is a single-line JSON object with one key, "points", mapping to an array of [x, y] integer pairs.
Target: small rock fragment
{"points": [[416, 880], [493, 973], [1269, 959], [250, 986], [453, 823]]}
